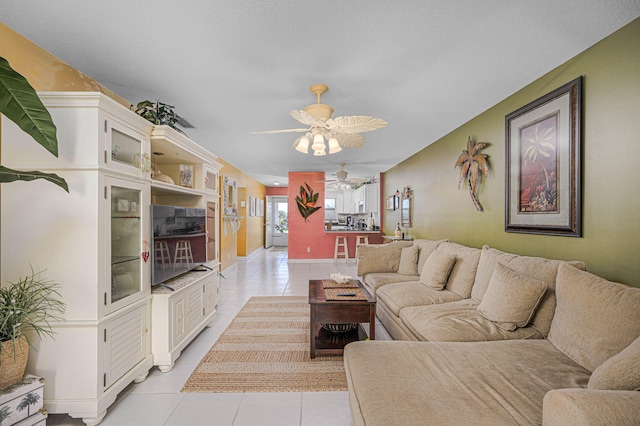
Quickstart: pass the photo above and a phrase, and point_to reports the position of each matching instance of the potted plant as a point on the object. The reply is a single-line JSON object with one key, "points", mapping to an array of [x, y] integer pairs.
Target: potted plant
{"points": [[26, 307], [158, 113]]}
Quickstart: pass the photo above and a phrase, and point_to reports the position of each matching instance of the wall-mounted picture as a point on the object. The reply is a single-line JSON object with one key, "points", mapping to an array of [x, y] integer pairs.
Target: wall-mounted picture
{"points": [[252, 206], [229, 196], [543, 139], [391, 202], [260, 209], [186, 175]]}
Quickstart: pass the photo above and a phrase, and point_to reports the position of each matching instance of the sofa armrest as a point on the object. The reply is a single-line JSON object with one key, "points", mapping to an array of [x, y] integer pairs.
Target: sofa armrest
{"points": [[580, 407]]}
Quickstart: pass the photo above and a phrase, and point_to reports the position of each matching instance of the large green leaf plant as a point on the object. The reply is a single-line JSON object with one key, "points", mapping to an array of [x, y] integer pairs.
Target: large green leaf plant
{"points": [[20, 103]]}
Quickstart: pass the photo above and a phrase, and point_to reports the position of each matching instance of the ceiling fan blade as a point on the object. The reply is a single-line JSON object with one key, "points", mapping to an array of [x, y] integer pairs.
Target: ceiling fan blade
{"points": [[350, 140], [280, 131], [355, 124], [305, 118]]}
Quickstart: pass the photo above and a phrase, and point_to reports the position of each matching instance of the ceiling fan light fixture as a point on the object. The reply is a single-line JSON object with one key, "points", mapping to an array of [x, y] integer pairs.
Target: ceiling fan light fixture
{"points": [[303, 145], [340, 132], [334, 146], [318, 143], [321, 111]]}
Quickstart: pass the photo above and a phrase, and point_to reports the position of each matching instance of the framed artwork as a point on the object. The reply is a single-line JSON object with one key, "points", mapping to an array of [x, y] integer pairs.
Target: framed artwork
{"points": [[405, 212], [229, 197], [186, 175], [543, 140], [252, 206], [260, 207]]}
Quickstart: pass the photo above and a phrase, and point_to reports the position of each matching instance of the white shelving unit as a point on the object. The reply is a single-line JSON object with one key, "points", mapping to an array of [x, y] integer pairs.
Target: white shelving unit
{"points": [[178, 315], [92, 243]]}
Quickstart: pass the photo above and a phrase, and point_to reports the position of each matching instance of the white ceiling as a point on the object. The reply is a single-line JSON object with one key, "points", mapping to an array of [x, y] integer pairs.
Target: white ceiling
{"points": [[231, 67]]}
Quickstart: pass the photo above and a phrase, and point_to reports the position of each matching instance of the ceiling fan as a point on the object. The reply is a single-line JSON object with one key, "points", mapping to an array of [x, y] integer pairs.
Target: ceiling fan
{"points": [[342, 182], [339, 132]]}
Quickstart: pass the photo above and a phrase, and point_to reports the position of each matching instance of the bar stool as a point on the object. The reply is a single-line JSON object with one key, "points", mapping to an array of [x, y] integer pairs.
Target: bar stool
{"points": [[341, 243], [361, 240], [162, 255], [183, 253]]}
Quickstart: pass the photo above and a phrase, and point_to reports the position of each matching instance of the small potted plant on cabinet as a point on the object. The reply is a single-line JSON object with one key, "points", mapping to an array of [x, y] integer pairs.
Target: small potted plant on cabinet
{"points": [[26, 307]]}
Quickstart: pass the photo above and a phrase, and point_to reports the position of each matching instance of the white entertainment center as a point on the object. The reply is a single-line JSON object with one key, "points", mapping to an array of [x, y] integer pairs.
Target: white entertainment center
{"points": [[95, 242]]}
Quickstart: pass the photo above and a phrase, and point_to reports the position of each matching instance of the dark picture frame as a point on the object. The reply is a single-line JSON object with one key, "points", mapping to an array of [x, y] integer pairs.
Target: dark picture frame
{"points": [[543, 164]]}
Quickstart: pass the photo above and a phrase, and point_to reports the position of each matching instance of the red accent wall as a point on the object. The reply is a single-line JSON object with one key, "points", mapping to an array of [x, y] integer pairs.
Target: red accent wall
{"points": [[282, 191], [311, 233]]}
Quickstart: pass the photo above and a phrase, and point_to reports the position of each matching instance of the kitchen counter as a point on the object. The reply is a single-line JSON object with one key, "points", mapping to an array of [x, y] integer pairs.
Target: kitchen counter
{"points": [[350, 231], [344, 228]]}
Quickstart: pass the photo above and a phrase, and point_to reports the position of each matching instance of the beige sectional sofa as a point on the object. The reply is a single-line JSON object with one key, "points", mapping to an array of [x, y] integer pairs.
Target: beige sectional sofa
{"points": [[508, 339]]}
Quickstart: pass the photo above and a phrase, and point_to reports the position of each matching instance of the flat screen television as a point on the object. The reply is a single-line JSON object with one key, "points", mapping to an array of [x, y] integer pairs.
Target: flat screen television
{"points": [[179, 241]]}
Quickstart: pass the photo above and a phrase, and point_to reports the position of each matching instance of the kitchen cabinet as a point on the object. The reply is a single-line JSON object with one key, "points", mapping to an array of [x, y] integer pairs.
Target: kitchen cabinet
{"points": [[366, 199]]}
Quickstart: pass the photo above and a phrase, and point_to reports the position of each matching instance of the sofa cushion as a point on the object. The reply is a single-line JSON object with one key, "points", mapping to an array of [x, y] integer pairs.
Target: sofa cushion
{"points": [[408, 261], [426, 247], [511, 298], [464, 271], [436, 270], [457, 322], [373, 281], [595, 319], [538, 268], [620, 372], [380, 257], [400, 295], [451, 383]]}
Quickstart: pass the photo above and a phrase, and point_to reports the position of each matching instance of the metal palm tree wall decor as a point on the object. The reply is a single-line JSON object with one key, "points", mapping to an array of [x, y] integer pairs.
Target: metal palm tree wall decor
{"points": [[472, 166]]}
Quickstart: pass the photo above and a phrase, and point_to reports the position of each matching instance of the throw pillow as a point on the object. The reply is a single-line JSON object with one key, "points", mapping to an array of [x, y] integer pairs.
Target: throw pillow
{"points": [[620, 372], [380, 257], [409, 261], [511, 299], [436, 270]]}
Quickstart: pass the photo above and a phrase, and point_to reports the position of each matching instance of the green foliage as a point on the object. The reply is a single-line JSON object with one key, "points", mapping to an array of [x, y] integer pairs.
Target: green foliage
{"points": [[307, 201], [20, 103], [29, 304], [158, 113]]}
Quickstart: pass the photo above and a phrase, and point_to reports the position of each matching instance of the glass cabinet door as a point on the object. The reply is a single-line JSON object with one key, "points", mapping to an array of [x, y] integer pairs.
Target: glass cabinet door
{"points": [[127, 251], [212, 220], [128, 149]]}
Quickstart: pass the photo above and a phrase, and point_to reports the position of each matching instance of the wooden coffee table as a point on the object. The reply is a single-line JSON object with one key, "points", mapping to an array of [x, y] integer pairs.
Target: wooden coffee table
{"points": [[348, 311]]}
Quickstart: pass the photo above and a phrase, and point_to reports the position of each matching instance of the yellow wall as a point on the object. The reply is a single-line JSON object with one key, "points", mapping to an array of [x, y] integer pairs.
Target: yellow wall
{"points": [[611, 189], [250, 236], [43, 70]]}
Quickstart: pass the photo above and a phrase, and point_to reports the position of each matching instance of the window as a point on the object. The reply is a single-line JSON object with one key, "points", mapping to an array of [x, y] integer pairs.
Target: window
{"points": [[329, 208], [281, 219]]}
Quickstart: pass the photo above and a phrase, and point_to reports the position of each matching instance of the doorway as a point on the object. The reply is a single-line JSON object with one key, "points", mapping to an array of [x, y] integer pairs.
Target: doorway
{"points": [[277, 222]]}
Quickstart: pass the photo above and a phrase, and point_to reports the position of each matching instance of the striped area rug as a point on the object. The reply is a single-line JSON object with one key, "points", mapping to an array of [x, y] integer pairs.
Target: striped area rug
{"points": [[266, 349]]}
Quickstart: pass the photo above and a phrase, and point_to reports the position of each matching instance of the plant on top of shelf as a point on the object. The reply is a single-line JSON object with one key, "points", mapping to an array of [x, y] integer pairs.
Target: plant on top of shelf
{"points": [[158, 113], [26, 305], [20, 103]]}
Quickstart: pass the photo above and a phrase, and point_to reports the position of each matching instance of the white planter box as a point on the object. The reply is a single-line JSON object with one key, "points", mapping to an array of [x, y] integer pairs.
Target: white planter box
{"points": [[21, 404]]}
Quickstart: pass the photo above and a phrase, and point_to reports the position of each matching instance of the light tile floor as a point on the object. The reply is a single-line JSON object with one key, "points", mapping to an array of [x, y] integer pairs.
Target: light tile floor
{"points": [[158, 401]]}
